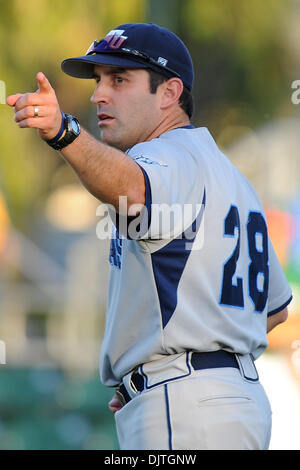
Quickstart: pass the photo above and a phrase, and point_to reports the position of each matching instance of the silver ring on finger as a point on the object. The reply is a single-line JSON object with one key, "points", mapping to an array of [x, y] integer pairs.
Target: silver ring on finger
{"points": [[36, 111]]}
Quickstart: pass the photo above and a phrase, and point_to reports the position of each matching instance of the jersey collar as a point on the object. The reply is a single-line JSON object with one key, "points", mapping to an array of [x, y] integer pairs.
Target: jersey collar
{"points": [[190, 126]]}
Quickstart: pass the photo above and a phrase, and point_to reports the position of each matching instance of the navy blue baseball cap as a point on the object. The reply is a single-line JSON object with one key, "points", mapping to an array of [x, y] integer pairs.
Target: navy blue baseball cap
{"points": [[136, 45]]}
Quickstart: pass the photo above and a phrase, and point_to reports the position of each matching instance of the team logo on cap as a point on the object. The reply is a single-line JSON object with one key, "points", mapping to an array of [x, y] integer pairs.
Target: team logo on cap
{"points": [[114, 39]]}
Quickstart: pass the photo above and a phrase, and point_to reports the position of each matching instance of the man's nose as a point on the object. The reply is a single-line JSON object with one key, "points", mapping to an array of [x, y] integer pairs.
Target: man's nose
{"points": [[101, 94]]}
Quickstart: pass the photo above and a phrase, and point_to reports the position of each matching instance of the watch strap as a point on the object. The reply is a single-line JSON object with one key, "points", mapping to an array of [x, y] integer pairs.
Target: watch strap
{"points": [[66, 134], [60, 132]]}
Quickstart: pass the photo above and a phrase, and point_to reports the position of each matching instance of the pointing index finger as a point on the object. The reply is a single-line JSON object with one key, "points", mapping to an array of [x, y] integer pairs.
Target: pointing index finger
{"points": [[43, 83], [12, 99]]}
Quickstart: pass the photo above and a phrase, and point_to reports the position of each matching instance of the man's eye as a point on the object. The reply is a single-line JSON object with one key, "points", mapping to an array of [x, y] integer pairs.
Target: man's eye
{"points": [[119, 79]]}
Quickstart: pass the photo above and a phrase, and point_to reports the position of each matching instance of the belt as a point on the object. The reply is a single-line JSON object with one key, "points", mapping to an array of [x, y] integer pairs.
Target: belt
{"points": [[199, 360]]}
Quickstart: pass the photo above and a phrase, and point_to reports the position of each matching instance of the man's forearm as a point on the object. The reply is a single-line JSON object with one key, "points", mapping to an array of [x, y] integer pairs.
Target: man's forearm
{"points": [[106, 172]]}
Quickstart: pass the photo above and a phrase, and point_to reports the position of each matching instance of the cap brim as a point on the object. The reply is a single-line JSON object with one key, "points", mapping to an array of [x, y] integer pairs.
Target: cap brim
{"points": [[83, 67]]}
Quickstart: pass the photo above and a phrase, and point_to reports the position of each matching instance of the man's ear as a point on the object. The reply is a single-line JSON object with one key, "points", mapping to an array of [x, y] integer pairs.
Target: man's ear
{"points": [[171, 91]]}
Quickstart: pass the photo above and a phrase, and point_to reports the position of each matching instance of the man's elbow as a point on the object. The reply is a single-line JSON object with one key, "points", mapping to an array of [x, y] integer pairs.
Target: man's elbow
{"points": [[277, 319], [283, 315], [136, 202]]}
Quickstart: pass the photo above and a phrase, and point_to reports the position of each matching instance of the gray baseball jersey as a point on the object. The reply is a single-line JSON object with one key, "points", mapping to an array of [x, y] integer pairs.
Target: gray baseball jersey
{"points": [[201, 274]]}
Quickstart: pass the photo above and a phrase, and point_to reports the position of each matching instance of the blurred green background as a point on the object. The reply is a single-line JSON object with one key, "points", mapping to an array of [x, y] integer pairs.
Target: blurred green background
{"points": [[54, 270]]}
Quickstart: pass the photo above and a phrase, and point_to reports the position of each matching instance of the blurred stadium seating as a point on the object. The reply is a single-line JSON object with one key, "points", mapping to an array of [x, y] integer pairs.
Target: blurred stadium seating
{"points": [[44, 409]]}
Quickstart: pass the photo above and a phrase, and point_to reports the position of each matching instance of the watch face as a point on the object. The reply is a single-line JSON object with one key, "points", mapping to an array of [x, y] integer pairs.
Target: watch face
{"points": [[75, 126]]}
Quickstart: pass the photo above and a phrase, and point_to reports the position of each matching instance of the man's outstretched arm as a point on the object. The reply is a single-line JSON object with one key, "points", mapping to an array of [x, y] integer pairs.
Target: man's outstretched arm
{"points": [[106, 172]]}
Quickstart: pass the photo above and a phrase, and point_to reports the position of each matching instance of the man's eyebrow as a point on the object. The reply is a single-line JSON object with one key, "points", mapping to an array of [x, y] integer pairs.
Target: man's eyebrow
{"points": [[112, 71]]}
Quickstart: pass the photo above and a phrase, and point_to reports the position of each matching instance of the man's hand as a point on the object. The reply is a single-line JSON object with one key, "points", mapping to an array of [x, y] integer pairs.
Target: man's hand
{"points": [[48, 121], [114, 404]]}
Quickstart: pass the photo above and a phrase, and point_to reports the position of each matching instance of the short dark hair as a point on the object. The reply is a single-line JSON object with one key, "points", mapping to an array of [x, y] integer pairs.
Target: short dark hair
{"points": [[186, 100]]}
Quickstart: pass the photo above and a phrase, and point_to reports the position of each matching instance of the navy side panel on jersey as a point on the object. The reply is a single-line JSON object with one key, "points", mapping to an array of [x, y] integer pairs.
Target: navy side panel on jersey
{"points": [[168, 266]]}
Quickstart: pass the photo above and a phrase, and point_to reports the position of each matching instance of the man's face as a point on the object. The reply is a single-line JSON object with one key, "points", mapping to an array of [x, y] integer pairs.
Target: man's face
{"points": [[127, 112]]}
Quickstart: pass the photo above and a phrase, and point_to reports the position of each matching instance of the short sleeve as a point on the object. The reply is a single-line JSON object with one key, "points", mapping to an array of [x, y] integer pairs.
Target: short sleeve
{"points": [[174, 189]]}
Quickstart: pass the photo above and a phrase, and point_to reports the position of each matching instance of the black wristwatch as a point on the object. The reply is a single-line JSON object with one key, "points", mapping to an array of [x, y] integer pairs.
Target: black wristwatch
{"points": [[69, 131]]}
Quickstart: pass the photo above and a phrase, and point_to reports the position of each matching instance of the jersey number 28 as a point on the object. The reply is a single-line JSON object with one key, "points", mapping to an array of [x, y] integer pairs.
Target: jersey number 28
{"points": [[232, 293]]}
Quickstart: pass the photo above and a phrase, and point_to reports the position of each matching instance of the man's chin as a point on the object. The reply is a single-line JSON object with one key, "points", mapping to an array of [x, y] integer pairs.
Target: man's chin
{"points": [[112, 142], [106, 138]]}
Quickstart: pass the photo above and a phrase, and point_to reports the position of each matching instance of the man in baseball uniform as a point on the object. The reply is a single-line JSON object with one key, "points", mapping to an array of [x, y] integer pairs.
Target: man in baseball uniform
{"points": [[195, 283]]}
